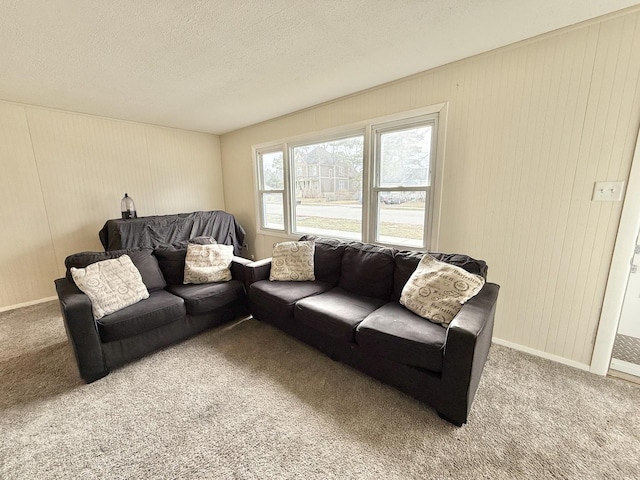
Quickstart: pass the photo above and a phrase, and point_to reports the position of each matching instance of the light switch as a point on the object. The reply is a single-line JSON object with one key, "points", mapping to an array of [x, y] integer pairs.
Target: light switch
{"points": [[608, 191]]}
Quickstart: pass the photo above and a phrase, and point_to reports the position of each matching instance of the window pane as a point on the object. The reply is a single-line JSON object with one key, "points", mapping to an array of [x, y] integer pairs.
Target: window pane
{"points": [[401, 218], [404, 157], [272, 171], [328, 187], [273, 211]]}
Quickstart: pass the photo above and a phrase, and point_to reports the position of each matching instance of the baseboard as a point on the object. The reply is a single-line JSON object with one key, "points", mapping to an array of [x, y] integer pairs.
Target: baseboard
{"points": [[27, 304], [540, 353], [625, 367]]}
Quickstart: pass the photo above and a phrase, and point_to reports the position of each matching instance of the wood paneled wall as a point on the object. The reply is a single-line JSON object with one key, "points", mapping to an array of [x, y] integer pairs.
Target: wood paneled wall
{"points": [[530, 128], [63, 175]]}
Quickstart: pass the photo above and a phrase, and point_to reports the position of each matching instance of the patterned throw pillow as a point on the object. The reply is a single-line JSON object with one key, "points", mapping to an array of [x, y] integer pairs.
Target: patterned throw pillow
{"points": [[437, 290], [111, 285], [292, 262], [208, 263]]}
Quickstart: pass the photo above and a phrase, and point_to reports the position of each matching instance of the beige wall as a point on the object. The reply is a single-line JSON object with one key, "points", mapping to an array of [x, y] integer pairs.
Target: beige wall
{"points": [[530, 129], [63, 175]]}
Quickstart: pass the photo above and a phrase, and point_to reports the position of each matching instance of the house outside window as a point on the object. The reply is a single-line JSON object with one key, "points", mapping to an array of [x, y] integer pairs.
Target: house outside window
{"points": [[321, 208]]}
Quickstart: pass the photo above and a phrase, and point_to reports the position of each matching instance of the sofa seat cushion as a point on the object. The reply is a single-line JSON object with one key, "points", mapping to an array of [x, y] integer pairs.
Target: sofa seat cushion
{"points": [[206, 297], [335, 313], [279, 298], [159, 309], [395, 333]]}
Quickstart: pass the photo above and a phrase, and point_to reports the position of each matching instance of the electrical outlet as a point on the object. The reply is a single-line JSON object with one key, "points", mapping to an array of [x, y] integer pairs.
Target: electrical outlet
{"points": [[608, 191]]}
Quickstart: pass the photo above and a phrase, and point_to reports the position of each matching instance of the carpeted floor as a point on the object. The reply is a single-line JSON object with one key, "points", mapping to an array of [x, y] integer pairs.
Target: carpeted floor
{"points": [[247, 401]]}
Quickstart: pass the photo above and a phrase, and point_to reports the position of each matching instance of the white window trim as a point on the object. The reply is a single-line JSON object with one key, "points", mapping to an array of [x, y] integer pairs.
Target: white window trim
{"points": [[375, 188], [310, 140], [285, 144], [259, 191]]}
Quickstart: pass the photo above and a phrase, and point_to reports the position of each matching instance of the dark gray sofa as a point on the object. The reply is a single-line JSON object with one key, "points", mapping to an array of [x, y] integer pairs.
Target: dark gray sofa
{"points": [[173, 311], [351, 312]]}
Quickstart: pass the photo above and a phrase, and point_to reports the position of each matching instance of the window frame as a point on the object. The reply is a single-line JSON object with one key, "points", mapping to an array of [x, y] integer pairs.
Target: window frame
{"points": [[262, 191], [377, 131], [437, 113], [312, 140]]}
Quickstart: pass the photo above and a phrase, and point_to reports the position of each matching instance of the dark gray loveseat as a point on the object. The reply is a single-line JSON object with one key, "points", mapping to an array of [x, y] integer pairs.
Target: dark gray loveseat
{"points": [[172, 312], [351, 312]]}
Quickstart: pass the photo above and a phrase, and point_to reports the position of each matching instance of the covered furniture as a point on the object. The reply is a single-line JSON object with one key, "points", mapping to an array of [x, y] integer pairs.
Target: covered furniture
{"points": [[351, 312], [150, 232], [173, 312]]}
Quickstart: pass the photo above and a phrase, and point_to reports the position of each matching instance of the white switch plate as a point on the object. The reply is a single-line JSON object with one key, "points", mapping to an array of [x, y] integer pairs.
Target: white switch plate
{"points": [[608, 191]]}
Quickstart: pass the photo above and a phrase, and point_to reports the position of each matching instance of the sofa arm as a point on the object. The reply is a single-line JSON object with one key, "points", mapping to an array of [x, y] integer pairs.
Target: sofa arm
{"points": [[259, 270], [466, 349], [238, 269], [81, 330]]}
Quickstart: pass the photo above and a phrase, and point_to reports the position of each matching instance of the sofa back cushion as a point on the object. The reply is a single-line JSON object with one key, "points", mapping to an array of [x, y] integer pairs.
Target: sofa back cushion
{"points": [[208, 263], [171, 259], [406, 263], [367, 270], [144, 261], [293, 262], [327, 258], [111, 285]]}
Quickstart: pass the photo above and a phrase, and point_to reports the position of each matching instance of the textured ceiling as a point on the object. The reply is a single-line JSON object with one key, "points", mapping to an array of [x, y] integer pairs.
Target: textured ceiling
{"points": [[215, 66]]}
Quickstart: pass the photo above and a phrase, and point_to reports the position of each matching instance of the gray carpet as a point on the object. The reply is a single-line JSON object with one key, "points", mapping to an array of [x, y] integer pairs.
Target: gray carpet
{"points": [[247, 401]]}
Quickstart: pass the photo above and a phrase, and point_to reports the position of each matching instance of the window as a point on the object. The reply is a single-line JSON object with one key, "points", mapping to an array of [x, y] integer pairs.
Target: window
{"points": [[401, 183], [320, 207], [271, 189], [373, 183]]}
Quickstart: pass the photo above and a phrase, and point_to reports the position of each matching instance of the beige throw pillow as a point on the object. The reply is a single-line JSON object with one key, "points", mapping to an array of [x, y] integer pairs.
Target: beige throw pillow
{"points": [[111, 285], [292, 262], [437, 290], [208, 263]]}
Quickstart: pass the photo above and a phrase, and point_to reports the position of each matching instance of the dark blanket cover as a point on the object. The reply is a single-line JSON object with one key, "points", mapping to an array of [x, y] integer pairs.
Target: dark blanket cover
{"points": [[150, 232]]}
